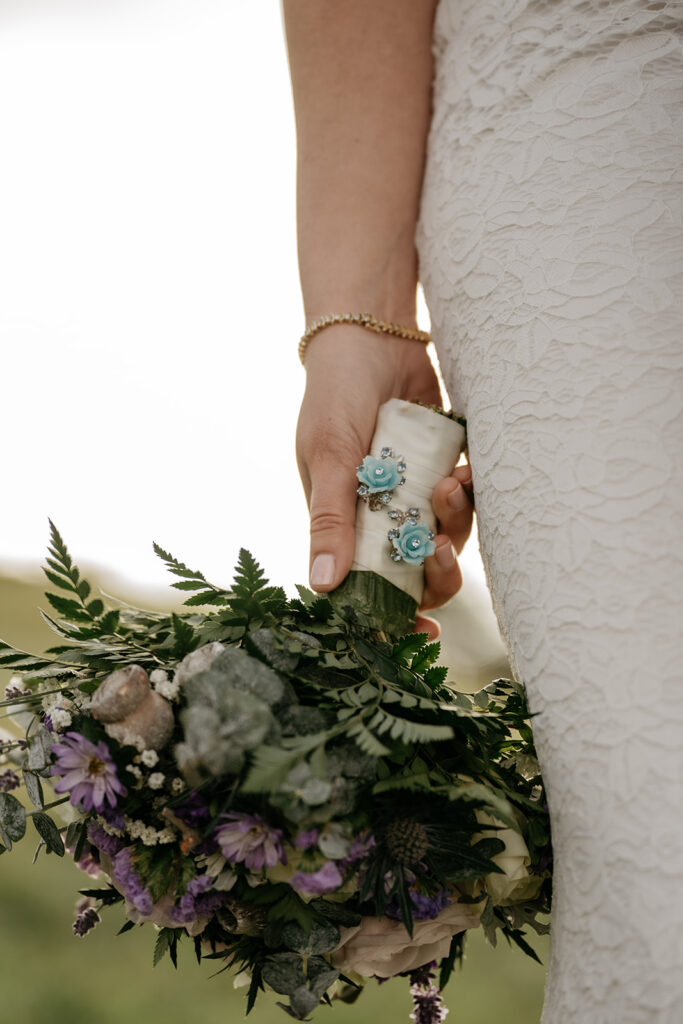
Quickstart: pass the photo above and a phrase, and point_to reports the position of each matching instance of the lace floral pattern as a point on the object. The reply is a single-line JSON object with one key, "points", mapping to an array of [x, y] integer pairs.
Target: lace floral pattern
{"points": [[551, 254]]}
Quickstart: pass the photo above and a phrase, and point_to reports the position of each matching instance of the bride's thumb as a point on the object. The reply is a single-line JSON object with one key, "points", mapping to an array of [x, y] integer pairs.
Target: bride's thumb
{"points": [[333, 514]]}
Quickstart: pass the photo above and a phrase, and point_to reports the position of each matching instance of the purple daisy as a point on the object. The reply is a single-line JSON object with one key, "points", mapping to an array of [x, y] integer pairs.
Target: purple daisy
{"points": [[88, 772], [249, 839]]}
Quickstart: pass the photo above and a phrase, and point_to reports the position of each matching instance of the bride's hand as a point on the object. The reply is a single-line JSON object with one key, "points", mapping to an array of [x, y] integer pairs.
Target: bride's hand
{"points": [[348, 376]]}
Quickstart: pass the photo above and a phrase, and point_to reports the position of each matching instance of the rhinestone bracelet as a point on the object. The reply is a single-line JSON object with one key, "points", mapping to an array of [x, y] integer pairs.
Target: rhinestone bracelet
{"points": [[361, 320]]}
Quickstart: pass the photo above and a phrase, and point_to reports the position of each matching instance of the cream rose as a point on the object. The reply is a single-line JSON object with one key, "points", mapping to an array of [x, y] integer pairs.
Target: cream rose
{"points": [[381, 947], [516, 884]]}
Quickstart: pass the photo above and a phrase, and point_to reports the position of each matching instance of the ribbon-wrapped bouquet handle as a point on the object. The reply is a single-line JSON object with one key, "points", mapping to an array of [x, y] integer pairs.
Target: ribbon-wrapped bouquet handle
{"points": [[413, 447]]}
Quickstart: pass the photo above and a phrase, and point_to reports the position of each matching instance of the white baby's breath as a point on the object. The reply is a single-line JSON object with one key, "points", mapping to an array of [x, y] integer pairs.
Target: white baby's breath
{"points": [[149, 757], [168, 689], [156, 780], [60, 718]]}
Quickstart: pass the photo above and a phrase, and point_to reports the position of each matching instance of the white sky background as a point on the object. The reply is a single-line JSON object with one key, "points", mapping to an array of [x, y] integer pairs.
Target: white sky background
{"points": [[150, 304]]}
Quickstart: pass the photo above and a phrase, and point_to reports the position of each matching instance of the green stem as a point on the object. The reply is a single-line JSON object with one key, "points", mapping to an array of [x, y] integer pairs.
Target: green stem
{"points": [[55, 803], [378, 605]]}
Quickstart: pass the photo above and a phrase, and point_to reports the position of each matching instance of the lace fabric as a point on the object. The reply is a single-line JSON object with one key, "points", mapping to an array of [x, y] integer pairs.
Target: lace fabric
{"points": [[551, 254]]}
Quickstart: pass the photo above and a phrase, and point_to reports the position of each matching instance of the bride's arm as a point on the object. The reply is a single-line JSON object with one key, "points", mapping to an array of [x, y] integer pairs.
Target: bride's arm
{"points": [[361, 77]]}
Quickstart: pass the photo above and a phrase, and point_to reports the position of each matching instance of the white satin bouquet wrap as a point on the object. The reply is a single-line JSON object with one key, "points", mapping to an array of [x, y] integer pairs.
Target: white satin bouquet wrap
{"points": [[430, 444]]}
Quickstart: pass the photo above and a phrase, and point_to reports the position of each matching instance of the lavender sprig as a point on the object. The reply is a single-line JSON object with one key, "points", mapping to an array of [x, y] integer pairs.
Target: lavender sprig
{"points": [[428, 1006]]}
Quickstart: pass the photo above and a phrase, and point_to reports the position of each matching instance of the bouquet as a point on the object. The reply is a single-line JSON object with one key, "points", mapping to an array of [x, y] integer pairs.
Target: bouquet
{"points": [[290, 785]]}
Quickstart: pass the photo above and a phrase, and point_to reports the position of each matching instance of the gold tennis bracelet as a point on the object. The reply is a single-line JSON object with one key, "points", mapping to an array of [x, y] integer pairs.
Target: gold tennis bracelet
{"points": [[361, 320]]}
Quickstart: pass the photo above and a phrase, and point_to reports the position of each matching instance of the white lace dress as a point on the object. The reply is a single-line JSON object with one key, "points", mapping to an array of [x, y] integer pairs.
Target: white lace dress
{"points": [[551, 253]]}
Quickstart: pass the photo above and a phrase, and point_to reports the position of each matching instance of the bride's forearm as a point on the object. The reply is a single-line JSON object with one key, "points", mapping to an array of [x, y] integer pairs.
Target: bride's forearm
{"points": [[361, 78]]}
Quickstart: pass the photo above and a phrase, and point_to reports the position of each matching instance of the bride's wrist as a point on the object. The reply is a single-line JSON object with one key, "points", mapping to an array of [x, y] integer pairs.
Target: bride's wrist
{"points": [[385, 287]]}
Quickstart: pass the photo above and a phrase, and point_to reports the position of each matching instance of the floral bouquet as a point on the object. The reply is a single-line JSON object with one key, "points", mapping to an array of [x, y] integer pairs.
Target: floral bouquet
{"points": [[289, 784]]}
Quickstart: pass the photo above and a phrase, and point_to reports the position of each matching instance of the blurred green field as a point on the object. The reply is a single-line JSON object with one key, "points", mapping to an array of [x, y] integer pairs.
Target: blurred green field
{"points": [[47, 975]]}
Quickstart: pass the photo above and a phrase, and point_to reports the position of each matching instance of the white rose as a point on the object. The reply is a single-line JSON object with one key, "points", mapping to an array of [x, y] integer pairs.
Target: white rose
{"points": [[382, 948], [516, 884]]}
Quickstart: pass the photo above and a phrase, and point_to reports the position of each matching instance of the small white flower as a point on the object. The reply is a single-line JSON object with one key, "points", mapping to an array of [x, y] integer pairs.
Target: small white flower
{"points": [[156, 780], [177, 785], [149, 757], [167, 689], [167, 835], [158, 676], [134, 770], [109, 829], [60, 719]]}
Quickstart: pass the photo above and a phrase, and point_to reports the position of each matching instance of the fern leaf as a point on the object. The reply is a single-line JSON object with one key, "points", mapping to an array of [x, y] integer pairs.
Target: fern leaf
{"points": [[58, 549], [425, 656], [435, 676], [184, 636], [178, 568], [71, 610], [407, 646], [367, 742], [19, 661]]}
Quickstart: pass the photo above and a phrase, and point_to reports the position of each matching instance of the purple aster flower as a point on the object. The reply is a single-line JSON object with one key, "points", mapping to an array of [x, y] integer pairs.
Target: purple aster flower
{"points": [[9, 780], [304, 840], [47, 722], [328, 878], [88, 772], [249, 839]]}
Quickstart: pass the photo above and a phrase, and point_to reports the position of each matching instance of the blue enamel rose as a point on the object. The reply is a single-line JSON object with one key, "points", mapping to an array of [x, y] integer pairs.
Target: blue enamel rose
{"points": [[378, 474], [414, 543]]}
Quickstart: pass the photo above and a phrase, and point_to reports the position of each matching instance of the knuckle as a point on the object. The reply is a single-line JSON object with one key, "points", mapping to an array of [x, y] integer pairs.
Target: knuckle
{"points": [[325, 520]]}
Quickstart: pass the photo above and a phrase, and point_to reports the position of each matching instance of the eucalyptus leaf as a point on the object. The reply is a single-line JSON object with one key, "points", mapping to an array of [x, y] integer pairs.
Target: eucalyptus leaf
{"points": [[39, 753], [284, 972], [33, 787], [303, 1002], [12, 820], [264, 642], [48, 831], [322, 937]]}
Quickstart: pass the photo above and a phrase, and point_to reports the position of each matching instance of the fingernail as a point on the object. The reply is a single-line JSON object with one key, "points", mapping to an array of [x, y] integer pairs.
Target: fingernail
{"points": [[322, 571], [457, 498], [445, 556], [467, 479]]}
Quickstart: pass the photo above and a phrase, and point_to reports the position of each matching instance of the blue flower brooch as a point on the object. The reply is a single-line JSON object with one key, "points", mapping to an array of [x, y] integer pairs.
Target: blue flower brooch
{"points": [[411, 540]]}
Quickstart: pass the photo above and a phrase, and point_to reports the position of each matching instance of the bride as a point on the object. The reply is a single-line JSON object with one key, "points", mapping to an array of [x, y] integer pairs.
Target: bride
{"points": [[523, 160]]}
